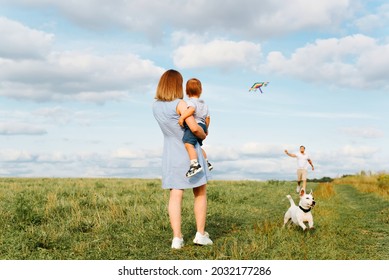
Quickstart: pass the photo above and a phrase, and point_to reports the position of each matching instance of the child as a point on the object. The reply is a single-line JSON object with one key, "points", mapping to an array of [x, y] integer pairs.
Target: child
{"points": [[199, 110]]}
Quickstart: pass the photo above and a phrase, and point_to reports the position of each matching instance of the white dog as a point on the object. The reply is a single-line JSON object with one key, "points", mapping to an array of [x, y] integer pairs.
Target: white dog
{"points": [[301, 213]]}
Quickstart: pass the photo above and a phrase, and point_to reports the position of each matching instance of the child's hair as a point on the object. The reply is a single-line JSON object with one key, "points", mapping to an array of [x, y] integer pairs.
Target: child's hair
{"points": [[193, 87]]}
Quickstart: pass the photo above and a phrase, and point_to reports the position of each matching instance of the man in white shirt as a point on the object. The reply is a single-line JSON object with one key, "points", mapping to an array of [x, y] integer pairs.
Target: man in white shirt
{"points": [[303, 160]]}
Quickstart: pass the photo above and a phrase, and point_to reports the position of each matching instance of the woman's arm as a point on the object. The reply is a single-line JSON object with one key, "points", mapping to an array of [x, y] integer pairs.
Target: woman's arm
{"points": [[191, 122], [187, 113], [195, 128]]}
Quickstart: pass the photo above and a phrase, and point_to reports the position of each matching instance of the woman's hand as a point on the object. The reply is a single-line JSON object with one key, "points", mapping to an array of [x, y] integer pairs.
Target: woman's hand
{"points": [[195, 128]]}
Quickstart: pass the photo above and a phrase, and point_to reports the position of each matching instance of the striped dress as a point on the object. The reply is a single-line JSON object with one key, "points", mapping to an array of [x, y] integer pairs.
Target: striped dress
{"points": [[175, 159]]}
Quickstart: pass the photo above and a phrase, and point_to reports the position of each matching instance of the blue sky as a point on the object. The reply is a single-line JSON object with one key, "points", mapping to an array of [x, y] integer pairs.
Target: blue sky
{"points": [[77, 82]]}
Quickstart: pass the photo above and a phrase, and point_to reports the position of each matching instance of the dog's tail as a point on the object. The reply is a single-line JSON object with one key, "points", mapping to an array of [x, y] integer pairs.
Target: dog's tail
{"points": [[291, 200]]}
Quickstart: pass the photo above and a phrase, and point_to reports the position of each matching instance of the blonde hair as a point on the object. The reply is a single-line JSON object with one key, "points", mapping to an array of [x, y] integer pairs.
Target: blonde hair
{"points": [[170, 86], [193, 87]]}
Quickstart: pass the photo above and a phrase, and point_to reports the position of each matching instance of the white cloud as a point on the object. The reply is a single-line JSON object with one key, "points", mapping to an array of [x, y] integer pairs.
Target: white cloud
{"points": [[101, 97], [217, 53], [38, 120], [57, 114], [56, 157], [74, 75], [13, 155], [372, 21], [119, 163], [261, 150], [331, 115], [184, 38], [267, 161], [222, 153], [248, 18], [10, 128], [354, 61], [212, 34], [235, 163], [359, 151], [125, 153], [363, 132], [21, 42]]}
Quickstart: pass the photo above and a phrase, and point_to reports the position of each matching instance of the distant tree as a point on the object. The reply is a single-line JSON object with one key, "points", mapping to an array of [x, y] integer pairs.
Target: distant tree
{"points": [[321, 180]]}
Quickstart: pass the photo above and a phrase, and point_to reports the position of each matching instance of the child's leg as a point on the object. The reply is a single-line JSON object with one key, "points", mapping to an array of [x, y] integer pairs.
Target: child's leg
{"points": [[195, 167], [210, 166], [204, 154], [191, 151]]}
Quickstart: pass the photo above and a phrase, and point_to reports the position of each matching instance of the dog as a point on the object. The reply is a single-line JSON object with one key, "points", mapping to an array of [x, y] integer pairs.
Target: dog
{"points": [[301, 213]]}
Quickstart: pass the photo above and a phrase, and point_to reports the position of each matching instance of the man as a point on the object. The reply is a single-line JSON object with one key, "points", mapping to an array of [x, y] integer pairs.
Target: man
{"points": [[303, 160]]}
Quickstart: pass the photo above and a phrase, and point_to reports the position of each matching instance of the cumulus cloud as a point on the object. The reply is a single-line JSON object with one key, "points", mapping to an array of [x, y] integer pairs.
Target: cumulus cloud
{"points": [[222, 54], [37, 121], [359, 151], [254, 149], [12, 155], [125, 153], [246, 151], [354, 61], [264, 161], [20, 129], [31, 70], [363, 132], [372, 21], [21, 42], [248, 18], [16, 162], [248, 161], [331, 115]]}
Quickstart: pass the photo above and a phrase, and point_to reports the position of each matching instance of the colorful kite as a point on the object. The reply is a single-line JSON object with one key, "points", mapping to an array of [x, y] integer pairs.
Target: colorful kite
{"points": [[256, 86]]}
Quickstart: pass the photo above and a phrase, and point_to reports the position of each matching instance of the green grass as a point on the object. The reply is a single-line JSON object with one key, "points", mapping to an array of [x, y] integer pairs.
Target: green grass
{"points": [[112, 219]]}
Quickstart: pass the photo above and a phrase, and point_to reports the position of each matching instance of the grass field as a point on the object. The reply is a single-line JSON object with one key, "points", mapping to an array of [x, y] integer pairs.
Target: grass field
{"points": [[118, 219]]}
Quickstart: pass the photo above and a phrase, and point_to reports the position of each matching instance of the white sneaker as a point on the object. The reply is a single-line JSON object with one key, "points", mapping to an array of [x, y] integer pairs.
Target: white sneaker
{"points": [[177, 243], [298, 188], [201, 239]]}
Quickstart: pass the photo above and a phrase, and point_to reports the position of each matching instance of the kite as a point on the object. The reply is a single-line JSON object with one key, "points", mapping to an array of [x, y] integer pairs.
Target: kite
{"points": [[256, 86]]}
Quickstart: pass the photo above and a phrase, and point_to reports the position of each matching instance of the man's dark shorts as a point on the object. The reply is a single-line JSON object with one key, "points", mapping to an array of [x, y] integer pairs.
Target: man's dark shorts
{"points": [[190, 138]]}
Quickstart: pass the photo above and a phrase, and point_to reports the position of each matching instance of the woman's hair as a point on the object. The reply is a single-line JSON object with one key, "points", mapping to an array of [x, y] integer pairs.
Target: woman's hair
{"points": [[170, 86], [193, 87]]}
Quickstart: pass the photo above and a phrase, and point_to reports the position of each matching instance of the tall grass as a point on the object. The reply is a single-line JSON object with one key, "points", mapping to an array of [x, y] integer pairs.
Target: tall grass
{"points": [[378, 183], [325, 190], [127, 219]]}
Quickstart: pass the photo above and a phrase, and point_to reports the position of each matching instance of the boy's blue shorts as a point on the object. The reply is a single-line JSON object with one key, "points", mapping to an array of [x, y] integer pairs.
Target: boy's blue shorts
{"points": [[190, 138]]}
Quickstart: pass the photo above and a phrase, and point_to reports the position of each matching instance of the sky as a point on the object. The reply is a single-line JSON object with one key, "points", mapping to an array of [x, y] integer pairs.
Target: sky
{"points": [[78, 80]]}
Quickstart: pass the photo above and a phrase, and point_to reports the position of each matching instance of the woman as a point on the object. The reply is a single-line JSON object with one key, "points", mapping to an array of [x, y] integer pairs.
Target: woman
{"points": [[167, 110]]}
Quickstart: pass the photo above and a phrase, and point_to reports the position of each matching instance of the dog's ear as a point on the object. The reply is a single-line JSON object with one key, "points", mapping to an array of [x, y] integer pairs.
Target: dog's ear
{"points": [[311, 193], [302, 192]]}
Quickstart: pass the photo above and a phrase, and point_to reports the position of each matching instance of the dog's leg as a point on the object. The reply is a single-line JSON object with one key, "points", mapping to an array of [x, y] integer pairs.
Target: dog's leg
{"points": [[310, 224], [302, 225], [287, 217]]}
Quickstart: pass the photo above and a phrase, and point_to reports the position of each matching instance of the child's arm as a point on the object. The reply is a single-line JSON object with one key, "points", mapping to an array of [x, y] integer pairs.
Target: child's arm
{"points": [[187, 113], [207, 122]]}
